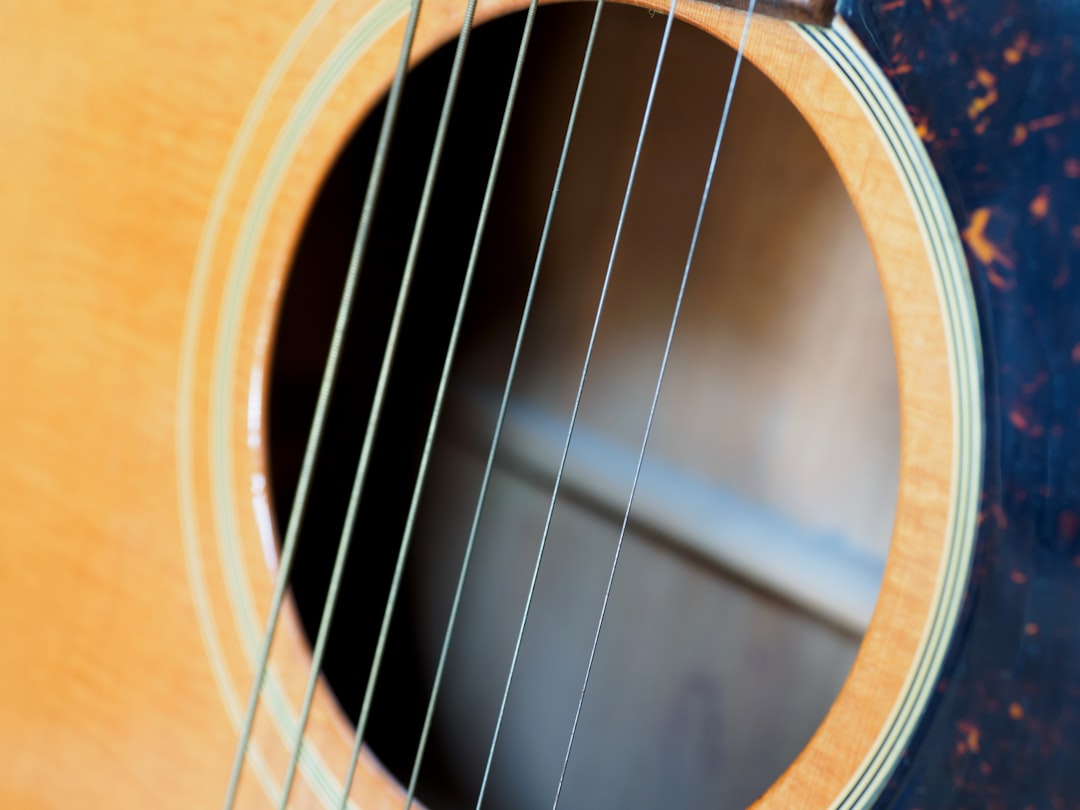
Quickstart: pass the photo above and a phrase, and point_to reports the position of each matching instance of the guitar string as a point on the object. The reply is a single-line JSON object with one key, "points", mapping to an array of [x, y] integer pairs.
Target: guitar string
{"points": [[444, 378], [378, 400], [656, 391], [322, 404], [330, 374], [577, 398], [501, 417]]}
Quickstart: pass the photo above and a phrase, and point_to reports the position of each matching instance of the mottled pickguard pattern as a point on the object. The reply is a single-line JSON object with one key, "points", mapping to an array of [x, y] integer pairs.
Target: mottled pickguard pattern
{"points": [[994, 90]]}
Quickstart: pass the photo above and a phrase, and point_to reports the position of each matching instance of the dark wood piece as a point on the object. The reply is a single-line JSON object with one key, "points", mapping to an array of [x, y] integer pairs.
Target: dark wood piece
{"points": [[992, 88]]}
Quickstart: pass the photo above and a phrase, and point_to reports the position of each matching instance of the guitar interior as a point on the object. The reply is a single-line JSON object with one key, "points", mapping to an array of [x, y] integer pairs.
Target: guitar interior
{"points": [[778, 420]]}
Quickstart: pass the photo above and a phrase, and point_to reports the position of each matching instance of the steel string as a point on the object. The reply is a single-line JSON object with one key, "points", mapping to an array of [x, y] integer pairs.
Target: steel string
{"points": [[501, 417], [656, 392], [440, 396], [345, 541], [577, 400], [326, 387]]}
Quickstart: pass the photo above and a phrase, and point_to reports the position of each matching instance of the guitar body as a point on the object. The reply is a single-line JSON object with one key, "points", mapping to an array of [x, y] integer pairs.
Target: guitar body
{"points": [[159, 165]]}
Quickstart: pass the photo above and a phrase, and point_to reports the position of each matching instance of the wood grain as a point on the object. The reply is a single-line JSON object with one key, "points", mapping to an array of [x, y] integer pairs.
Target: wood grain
{"points": [[119, 123]]}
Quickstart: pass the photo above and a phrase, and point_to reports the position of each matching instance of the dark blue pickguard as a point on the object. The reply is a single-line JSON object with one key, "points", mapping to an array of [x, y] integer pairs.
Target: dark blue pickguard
{"points": [[993, 87]]}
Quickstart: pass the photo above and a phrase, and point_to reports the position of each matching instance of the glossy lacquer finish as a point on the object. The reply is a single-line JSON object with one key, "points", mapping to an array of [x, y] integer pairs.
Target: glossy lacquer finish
{"points": [[993, 90]]}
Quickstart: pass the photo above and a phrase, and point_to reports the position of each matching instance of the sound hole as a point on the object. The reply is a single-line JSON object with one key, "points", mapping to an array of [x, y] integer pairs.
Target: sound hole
{"points": [[777, 428]]}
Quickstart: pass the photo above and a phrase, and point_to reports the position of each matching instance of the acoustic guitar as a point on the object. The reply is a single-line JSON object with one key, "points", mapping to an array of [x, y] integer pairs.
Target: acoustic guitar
{"points": [[396, 397]]}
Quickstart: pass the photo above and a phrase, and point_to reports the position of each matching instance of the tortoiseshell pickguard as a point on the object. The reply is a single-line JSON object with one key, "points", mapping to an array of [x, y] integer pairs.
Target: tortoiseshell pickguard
{"points": [[993, 89]]}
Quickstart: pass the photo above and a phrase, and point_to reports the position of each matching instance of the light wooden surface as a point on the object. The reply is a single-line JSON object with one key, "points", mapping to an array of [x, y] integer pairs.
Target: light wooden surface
{"points": [[118, 126]]}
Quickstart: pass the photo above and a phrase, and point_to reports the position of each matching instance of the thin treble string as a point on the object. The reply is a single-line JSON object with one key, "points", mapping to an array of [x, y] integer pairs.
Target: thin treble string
{"points": [[577, 399], [440, 395], [410, 265], [511, 373], [656, 390], [378, 400], [322, 404]]}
